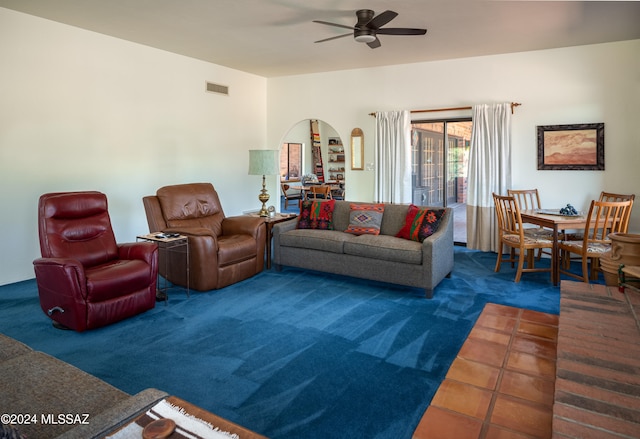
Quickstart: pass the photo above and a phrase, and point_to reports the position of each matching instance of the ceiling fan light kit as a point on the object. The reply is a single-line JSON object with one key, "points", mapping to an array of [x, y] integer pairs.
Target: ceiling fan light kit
{"points": [[364, 36], [368, 27]]}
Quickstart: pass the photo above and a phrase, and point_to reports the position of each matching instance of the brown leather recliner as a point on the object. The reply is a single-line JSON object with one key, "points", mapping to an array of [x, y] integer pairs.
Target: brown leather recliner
{"points": [[85, 279], [222, 250]]}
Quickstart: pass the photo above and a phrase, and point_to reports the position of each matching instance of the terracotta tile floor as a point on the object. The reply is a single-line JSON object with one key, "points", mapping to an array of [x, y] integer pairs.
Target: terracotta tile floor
{"points": [[501, 384], [508, 382]]}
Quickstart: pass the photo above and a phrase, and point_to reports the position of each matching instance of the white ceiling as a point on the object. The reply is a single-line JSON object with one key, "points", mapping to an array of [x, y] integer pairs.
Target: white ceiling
{"points": [[276, 37]]}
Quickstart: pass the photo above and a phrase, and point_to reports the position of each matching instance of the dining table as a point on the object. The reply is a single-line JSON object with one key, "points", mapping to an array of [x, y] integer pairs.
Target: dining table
{"points": [[307, 189], [552, 219]]}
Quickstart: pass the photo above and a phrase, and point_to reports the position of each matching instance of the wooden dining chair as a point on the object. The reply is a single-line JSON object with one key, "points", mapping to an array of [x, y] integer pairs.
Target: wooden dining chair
{"points": [[320, 192], [291, 194], [337, 192], [511, 234], [608, 196], [604, 196], [604, 217], [529, 199]]}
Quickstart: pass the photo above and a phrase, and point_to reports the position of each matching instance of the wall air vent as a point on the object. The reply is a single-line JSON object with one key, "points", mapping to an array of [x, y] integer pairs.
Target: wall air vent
{"points": [[217, 88]]}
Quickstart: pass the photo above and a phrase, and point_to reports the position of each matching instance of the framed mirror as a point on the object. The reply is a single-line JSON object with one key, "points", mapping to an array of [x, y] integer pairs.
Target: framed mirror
{"points": [[357, 149]]}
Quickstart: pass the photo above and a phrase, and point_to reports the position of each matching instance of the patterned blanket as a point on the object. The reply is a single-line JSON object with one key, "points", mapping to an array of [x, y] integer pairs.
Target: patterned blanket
{"points": [[187, 426]]}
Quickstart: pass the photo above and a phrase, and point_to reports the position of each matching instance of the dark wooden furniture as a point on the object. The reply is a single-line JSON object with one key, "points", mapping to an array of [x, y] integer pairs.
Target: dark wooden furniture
{"points": [[269, 223]]}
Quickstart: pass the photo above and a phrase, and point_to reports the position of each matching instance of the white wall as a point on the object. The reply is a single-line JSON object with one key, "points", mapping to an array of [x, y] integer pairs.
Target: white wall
{"points": [[83, 111], [80, 110], [597, 83]]}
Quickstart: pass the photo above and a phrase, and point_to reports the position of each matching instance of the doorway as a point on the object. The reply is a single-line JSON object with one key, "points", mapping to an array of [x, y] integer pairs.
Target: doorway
{"points": [[439, 160]]}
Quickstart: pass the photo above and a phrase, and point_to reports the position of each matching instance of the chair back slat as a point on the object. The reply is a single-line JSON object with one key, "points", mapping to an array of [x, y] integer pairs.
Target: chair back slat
{"points": [[527, 199], [508, 213], [608, 196], [607, 217], [322, 191]]}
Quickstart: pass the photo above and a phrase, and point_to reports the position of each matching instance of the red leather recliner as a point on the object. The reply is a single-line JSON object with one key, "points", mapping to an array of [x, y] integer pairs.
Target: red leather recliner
{"points": [[85, 279]]}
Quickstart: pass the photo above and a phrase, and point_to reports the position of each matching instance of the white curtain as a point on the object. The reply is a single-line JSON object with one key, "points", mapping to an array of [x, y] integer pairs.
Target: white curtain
{"points": [[489, 171], [393, 157]]}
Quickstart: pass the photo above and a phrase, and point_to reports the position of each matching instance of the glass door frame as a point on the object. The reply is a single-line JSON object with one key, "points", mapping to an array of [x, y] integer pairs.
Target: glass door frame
{"points": [[443, 166]]}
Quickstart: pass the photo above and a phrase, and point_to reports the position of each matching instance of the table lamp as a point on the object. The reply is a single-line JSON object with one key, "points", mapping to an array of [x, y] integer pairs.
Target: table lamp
{"points": [[264, 162]]}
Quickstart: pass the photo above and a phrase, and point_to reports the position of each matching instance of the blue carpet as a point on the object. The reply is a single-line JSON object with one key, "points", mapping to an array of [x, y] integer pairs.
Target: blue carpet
{"points": [[292, 354]]}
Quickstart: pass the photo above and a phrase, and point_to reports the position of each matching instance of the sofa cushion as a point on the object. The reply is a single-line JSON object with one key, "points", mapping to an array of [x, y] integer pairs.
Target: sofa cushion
{"points": [[365, 219], [316, 215], [392, 219], [387, 248], [323, 240], [405, 231], [425, 224]]}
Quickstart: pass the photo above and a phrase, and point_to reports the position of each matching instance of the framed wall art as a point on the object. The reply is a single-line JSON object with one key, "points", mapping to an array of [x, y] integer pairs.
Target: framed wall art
{"points": [[571, 147]]}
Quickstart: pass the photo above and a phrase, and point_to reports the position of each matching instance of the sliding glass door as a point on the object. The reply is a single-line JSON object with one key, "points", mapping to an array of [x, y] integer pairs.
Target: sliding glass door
{"points": [[440, 154]]}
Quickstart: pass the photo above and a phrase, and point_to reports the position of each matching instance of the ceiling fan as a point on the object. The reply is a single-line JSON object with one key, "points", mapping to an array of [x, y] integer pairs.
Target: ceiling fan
{"points": [[369, 27]]}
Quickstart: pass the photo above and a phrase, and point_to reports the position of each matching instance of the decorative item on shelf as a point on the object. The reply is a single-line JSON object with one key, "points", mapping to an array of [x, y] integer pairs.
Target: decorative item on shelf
{"points": [[272, 211], [263, 162], [309, 179]]}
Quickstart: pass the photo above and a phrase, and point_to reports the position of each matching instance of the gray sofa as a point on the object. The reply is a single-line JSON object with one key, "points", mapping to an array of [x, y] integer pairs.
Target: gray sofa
{"points": [[376, 257], [43, 387]]}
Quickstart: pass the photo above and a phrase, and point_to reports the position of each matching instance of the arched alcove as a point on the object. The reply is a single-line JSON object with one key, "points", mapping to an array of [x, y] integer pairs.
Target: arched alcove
{"points": [[331, 147]]}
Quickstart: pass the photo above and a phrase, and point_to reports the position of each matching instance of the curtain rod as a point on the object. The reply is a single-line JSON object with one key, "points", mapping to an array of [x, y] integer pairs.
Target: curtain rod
{"points": [[513, 105]]}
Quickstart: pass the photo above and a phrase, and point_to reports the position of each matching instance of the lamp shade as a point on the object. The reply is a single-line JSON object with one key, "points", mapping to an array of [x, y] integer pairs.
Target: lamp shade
{"points": [[264, 162]]}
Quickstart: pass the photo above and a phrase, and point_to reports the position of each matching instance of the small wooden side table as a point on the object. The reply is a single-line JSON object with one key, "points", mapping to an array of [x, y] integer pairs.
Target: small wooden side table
{"points": [[179, 244], [270, 221]]}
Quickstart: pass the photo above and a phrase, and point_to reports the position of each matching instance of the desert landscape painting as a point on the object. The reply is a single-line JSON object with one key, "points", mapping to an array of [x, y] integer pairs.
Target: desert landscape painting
{"points": [[574, 147], [571, 147]]}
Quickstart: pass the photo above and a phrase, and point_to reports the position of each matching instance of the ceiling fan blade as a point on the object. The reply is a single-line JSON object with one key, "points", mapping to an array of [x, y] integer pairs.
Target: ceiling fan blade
{"points": [[335, 38], [333, 24], [400, 31], [382, 19], [374, 44]]}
